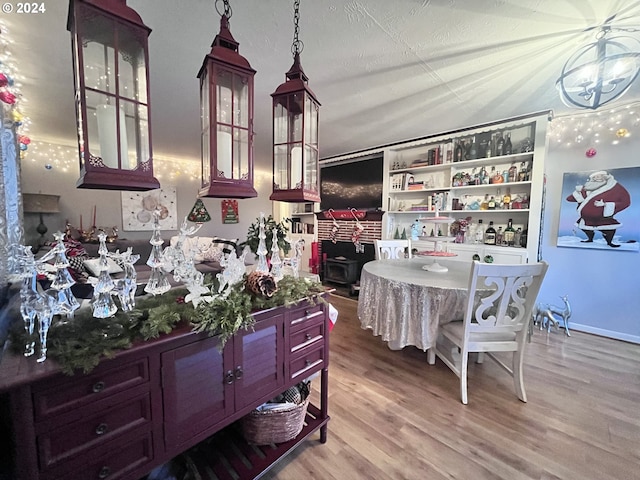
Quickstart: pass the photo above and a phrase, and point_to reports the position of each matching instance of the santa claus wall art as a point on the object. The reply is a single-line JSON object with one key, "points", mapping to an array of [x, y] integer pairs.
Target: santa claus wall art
{"points": [[601, 209]]}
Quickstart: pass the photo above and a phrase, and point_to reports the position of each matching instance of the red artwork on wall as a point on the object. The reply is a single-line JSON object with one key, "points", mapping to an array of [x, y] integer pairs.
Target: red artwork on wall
{"points": [[230, 211]]}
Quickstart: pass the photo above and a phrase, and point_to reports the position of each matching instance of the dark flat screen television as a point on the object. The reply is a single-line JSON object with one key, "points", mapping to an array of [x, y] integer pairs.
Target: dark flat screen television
{"points": [[352, 184]]}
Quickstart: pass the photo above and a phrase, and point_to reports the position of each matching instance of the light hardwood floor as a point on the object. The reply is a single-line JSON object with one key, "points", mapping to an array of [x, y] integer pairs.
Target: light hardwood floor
{"points": [[393, 416]]}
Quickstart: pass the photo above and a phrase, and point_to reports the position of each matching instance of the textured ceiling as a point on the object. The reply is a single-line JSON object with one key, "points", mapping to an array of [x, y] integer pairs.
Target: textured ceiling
{"points": [[383, 70]]}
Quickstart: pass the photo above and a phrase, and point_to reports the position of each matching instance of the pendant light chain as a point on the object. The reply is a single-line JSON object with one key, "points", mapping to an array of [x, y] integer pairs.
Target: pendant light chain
{"points": [[226, 8], [297, 46]]}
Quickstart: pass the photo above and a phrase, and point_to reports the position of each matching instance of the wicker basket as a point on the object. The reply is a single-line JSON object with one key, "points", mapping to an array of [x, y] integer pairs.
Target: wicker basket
{"points": [[274, 426]]}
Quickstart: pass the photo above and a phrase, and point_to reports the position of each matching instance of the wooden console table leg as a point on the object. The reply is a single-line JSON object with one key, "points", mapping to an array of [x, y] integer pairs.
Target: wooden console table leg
{"points": [[324, 402]]}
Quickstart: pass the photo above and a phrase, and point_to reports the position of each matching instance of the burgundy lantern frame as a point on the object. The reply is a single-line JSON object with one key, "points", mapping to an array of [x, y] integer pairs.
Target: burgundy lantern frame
{"points": [[296, 109], [226, 112], [113, 108]]}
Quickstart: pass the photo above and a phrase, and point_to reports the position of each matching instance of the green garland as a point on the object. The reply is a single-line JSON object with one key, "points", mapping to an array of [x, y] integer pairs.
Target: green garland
{"points": [[80, 343]]}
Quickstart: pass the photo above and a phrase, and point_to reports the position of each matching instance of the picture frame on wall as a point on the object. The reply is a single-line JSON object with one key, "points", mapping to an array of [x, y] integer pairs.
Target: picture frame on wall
{"points": [[138, 207], [600, 210]]}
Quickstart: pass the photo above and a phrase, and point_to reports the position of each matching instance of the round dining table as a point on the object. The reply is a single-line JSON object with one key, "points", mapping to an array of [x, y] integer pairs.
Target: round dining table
{"points": [[404, 303]]}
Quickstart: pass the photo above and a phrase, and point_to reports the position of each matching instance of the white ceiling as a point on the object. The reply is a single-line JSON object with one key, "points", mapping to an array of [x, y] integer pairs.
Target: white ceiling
{"points": [[384, 70]]}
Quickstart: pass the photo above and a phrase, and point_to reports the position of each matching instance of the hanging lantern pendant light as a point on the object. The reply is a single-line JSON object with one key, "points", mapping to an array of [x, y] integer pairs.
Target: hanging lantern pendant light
{"points": [[295, 132], [226, 112], [111, 76]]}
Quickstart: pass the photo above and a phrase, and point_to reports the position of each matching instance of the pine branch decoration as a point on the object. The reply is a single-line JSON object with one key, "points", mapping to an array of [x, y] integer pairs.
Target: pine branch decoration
{"points": [[80, 343]]}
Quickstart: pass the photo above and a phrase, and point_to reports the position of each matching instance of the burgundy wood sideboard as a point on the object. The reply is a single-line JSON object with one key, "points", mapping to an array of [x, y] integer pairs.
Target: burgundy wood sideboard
{"points": [[154, 401]]}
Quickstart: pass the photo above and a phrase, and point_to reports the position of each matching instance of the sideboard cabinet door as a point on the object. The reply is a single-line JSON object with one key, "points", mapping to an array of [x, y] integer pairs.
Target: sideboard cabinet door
{"points": [[259, 360], [195, 393]]}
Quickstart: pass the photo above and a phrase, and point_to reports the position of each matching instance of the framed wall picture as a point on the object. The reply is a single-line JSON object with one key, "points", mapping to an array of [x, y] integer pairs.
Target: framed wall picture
{"points": [[230, 211], [600, 210], [138, 207]]}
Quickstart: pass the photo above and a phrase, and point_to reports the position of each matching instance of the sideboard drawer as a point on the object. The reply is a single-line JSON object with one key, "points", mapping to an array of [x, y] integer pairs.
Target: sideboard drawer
{"points": [[301, 315], [309, 360], [56, 397], [91, 433], [313, 332], [115, 464]]}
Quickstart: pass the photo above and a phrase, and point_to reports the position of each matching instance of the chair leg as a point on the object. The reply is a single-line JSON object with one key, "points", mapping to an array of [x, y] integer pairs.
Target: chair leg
{"points": [[480, 358], [518, 378], [431, 356], [464, 361]]}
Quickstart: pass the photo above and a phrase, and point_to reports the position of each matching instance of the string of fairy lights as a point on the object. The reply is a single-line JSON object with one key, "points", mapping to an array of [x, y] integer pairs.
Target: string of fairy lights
{"points": [[11, 89], [613, 126], [65, 159]]}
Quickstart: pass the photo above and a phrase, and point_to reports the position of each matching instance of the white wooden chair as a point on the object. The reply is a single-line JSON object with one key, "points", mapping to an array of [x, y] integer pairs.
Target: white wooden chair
{"points": [[498, 312], [392, 249]]}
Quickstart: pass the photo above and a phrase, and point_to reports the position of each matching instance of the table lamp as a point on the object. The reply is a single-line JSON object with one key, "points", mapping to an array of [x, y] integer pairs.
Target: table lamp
{"points": [[40, 203]]}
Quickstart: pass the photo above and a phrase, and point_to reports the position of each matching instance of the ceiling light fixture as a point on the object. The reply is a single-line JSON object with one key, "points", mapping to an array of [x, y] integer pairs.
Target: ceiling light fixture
{"points": [[295, 132], [600, 72], [226, 112], [111, 77]]}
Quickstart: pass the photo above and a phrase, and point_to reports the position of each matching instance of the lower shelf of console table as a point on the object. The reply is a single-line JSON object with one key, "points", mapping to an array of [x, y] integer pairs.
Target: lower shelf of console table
{"points": [[161, 398], [229, 457]]}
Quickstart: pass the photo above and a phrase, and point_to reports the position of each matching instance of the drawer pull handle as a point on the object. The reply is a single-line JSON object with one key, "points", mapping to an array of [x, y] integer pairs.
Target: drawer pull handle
{"points": [[239, 372], [102, 429], [228, 378], [104, 472], [307, 363], [308, 336], [98, 387], [307, 312]]}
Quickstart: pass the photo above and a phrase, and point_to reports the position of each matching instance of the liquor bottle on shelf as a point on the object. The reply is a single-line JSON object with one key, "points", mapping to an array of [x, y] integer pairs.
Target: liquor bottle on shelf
{"points": [[489, 152], [484, 205], [484, 176], [510, 234], [466, 148], [516, 238], [492, 203], [508, 147], [492, 175], [473, 149], [513, 173], [499, 236], [522, 174], [479, 235], [523, 238], [457, 153], [499, 145], [496, 177], [470, 235], [490, 234], [475, 177], [506, 200]]}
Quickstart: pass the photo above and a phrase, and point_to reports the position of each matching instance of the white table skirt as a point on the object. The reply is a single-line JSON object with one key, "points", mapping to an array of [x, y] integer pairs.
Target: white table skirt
{"points": [[404, 304]]}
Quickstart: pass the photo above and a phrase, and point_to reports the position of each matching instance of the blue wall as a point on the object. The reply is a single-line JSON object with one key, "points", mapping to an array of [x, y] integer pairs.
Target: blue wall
{"points": [[603, 284]]}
